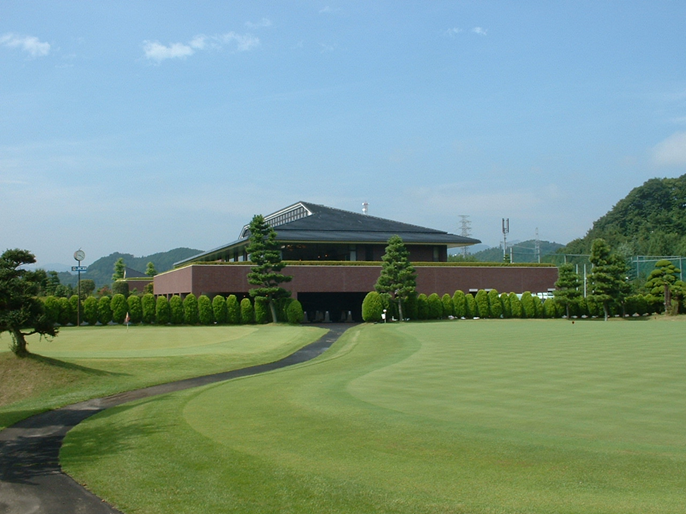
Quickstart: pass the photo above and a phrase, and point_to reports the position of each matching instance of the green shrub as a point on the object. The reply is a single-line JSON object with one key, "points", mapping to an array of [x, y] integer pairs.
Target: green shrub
{"points": [[52, 309], [104, 310], [582, 307], [410, 306], [435, 306], [448, 307], [372, 307], [262, 314], [148, 306], [120, 287], [470, 306], [538, 307], [507, 307], [516, 306], [135, 309], [190, 309], [90, 310], [295, 312], [495, 306], [162, 311], [119, 308], [219, 309], [594, 308], [65, 311], [549, 308], [74, 305], [205, 314], [247, 312], [282, 305], [422, 307], [176, 310], [482, 304], [528, 308], [459, 304], [233, 310]]}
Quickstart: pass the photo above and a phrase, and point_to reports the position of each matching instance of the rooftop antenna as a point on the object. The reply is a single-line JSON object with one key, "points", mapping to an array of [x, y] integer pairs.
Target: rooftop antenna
{"points": [[506, 230], [465, 230], [365, 207]]}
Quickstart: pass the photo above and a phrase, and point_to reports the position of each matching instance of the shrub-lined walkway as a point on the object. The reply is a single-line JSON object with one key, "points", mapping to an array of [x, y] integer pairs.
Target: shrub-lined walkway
{"points": [[30, 476]]}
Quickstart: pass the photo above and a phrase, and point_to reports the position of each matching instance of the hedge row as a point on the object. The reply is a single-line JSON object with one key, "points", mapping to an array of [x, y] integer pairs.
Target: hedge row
{"points": [[189, 311], [492, 304]]}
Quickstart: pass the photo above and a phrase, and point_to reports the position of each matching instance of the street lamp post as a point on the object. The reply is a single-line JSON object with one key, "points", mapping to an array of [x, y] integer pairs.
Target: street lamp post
{"points": [[79, 255]]}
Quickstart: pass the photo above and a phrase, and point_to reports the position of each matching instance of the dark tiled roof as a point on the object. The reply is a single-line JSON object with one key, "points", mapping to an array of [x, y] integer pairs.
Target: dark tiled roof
{"points": [[327, 224]]}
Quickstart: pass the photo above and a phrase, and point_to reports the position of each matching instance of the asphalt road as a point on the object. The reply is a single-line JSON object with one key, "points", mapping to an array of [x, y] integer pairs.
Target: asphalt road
{"points": [[31, 480]]}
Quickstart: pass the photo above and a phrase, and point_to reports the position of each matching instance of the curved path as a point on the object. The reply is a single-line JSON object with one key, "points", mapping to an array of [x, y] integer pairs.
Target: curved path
{"points": [[31, 480]]}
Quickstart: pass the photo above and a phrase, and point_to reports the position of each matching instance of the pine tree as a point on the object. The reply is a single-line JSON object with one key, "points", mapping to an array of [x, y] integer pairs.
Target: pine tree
{"points": [[150, 270], [661, 281], [119, 269], [608, 277], [265, 254], [398, 277], [567, 287]]}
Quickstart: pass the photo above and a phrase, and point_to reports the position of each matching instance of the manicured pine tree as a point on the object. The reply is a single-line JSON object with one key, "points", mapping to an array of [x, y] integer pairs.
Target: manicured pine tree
{"points": [[398, 277], [567, 287], [150, 270], [661, 282], [162, 311], [265, 254], [608, 276], [219, 309]]}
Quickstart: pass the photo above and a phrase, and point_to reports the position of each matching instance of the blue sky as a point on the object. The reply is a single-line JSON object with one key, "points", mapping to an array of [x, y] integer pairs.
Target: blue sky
{"points": [[141, 126]]}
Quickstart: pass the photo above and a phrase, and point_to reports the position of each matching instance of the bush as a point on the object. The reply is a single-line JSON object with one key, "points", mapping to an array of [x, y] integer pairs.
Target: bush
{"points": [[205, 313], [190, 309], [410, 306], [471, 308], [549, 308], [422, 307], [162, 311], [135, 309], [120, 287], [119, 308], [435, 306], [74, 304], [282, 305], [594, 308], [247, 312], [90, 310], [219, 309], [233, 310], [262, 314], [528, 308], [52, 309], [295, 313], [507, 307], [459, 304], [176, 310], [372, 307], [448, 307], [148, 306], [516, 306], [495, 306], [538, 307], [65, 312], [104, 310], [482, 304]]}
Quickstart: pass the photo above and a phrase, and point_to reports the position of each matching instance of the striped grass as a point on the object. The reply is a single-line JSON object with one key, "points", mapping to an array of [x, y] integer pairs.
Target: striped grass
{"points": [[516, 416]]}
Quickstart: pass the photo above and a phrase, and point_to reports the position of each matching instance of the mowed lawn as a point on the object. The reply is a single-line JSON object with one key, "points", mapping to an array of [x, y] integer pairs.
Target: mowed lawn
{"points": [[88, 362], [483, 416]]}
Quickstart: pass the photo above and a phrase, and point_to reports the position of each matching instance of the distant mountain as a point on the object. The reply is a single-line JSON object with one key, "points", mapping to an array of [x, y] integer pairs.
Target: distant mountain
{"points": [[650, 220], [522, 251], [101, 270]]}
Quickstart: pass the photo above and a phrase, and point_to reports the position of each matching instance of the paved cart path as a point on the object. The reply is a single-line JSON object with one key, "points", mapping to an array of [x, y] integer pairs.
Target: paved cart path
{"points": [[31, 480]]}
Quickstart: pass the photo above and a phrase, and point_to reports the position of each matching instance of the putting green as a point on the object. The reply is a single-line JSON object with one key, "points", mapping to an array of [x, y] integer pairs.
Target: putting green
{"points": [[540, 416]]}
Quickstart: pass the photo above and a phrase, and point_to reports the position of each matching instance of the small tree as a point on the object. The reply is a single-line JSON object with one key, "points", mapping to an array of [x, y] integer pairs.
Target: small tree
{"points": [[608, 277], [148, 306], [471, 308], [459, 304], [448, 307], [205, 314], [104, 310], [482, 304], [295, 313], [135, 309], [119, 308], [176, 310], [65, 312], [120, 287], [150, 270], [233, 310], [247, 312], [52, 309], [90, 310], [435, 306], [87, 288], [190, 309], [219, 309], [372, 307], [162, 311], [21, 312], [265, 254], [529, 311], [661, 282], [516, 306], [495, 306], [567, 290], [398, 277], [119, 269]]}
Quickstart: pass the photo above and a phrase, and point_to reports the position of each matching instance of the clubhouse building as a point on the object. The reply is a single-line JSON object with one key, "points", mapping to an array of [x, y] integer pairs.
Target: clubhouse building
{"points": [[334, 258]]}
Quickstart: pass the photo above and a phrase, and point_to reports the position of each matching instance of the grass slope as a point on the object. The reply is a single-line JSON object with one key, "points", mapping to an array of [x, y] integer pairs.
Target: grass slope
{"points": [[88, 362], [489, 416]]}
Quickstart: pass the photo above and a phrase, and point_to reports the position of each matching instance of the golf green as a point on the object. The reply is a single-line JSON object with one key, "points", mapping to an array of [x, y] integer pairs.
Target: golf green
{"points": [[484, 416]]}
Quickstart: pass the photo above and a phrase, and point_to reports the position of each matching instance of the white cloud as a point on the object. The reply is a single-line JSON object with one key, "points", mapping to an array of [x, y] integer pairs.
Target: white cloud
{"points": [[263, 23], [453, 32], [329, 10], [671, 151], [30, 44], [480, 31], [158, 52]]}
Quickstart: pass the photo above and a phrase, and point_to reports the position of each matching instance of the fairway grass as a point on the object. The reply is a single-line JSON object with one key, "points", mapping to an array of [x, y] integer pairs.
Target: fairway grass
{"points": [[487, 416], [89, 362]]}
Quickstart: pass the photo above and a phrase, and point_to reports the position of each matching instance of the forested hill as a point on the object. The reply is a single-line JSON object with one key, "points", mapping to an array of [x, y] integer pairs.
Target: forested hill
{"points": [[651, 220], [101, 270], [524, 251]]}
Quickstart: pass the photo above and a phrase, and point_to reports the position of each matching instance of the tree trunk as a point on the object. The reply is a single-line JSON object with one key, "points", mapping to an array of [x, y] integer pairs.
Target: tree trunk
{"points": [[19, 343], [400, 309], [605, 310], [272, 308]]}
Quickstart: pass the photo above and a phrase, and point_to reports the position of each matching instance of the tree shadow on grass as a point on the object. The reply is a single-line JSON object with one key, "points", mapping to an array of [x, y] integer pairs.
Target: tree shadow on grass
{"points": [[49, 361]]}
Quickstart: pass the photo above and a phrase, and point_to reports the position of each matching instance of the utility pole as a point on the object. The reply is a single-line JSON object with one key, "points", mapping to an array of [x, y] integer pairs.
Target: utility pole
{"points": [[465, 230], [538, 247], [506, 230]]}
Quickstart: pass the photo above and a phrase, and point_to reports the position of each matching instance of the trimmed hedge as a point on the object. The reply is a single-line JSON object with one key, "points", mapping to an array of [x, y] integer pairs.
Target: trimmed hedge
{"points": [[372, 307]]}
